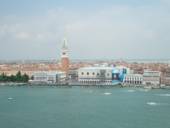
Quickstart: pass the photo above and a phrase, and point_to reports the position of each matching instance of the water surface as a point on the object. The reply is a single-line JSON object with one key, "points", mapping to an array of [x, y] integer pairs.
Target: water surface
{"points": [[78, 107]]}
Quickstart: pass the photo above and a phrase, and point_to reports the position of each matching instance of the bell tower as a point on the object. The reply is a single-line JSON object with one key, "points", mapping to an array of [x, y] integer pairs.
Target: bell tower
{"points": [[64, 57]]}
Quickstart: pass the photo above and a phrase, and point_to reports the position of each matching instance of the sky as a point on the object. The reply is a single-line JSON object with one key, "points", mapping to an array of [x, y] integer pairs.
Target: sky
{"points": [[95, 29]]}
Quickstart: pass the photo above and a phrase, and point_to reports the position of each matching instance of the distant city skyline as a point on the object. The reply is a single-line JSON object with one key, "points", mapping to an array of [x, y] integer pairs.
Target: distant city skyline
{"points": [[95, 29]]}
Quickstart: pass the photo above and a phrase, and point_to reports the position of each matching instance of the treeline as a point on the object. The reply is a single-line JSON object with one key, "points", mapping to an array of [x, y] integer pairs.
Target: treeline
{"points": [[14, 78]]}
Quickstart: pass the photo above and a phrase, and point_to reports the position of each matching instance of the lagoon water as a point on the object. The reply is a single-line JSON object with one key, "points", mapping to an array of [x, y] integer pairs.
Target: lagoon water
{"points": [[80, 107]]}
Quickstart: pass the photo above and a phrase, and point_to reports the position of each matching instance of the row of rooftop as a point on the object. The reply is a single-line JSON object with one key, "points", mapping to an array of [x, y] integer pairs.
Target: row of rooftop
{"points": [[158, 73], [104, 75]]}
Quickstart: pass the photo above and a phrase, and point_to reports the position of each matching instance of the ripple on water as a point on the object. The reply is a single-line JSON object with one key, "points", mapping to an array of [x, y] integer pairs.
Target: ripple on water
{"points": [[144, 90], [91, 91], [131, 90], [164, 94]]}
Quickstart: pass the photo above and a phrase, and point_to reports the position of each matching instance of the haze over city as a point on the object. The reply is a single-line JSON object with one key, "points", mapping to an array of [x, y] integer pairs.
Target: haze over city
{"points": [[95, 29]]}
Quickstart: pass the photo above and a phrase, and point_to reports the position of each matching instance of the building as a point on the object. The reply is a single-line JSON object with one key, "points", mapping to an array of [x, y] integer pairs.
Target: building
{"points": [[151, 77], [95, 75], [73, 75], [133, 79], [165, 77], [122, 71], [48, 77], [101, 75], [64, 57]]}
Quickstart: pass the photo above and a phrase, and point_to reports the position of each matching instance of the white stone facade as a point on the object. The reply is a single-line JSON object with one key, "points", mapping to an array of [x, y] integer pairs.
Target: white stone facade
{"points": [[133, 79], [95, 75], [151, 77], [48, 77]]}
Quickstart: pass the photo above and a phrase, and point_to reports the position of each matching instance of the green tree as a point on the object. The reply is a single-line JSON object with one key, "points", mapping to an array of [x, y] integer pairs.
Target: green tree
{"points": [[25, 78], [18, 77], [14, 78], [4, 77]]}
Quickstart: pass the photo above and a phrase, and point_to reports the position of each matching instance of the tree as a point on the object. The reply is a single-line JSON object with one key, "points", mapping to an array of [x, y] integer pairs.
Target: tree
{"points": [[14, 78], [18, 76], [4, 77], [25, 78]]}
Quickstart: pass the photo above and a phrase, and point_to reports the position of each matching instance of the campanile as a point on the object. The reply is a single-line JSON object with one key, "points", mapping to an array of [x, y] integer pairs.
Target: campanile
{"points": [[64, 57]]}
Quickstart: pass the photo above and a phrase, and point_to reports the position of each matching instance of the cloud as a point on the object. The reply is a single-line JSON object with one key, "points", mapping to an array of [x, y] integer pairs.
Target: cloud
{"points": [[124, 32], [118, 31], [23, 36]]}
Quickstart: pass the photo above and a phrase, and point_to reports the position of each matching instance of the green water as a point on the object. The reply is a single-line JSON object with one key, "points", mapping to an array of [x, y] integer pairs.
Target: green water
{"points": [[77, 107]]}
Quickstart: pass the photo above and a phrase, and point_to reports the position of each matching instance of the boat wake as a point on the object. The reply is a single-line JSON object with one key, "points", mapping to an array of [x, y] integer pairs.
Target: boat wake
{"points": [[107, 93], [10, 98], [152, 103]]}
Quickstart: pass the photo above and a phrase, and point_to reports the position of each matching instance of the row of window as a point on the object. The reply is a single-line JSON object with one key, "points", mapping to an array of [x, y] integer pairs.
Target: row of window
{"points": [[89, 73], [133, 78], [133, 82], [93, 74], [86, 81]]}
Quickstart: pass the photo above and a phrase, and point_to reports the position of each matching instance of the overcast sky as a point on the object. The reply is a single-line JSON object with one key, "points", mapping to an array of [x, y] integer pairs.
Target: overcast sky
{"points": [[96, 29]]}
